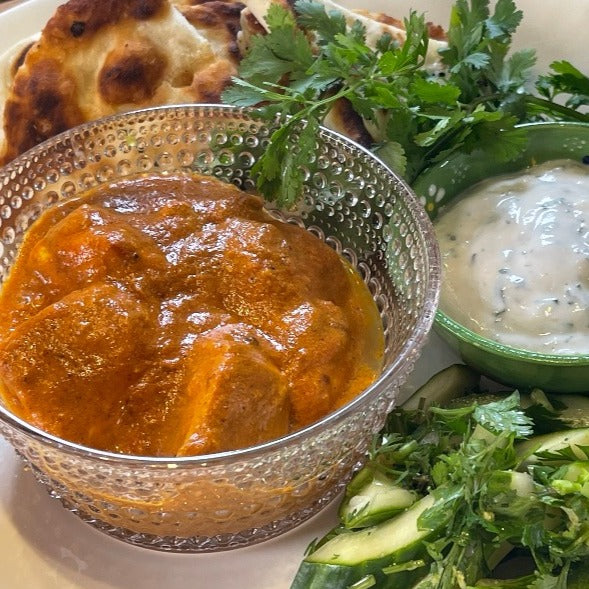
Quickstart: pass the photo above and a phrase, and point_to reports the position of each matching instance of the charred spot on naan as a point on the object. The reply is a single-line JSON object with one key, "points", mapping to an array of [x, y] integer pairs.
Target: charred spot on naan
{"points": [[44, 99], [131, 73], [83, 18], [343, 119], [42, 104]]}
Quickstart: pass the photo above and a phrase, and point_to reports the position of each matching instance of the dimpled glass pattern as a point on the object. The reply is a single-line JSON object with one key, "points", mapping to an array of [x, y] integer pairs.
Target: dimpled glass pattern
{"points": [[233, 499]]}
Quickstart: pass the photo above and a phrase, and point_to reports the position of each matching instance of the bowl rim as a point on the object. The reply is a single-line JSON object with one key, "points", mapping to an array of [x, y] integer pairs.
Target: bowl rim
{"points": [[552, 124], [460, 331], [400, 365]]}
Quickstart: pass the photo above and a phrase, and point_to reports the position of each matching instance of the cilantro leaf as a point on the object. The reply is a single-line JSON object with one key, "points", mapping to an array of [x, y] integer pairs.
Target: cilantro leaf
{"points": [[442, 126], [568, 80], [393, 155], [263, 63], [432, 92], [505, 19], [284, 50], [243, 93], [312, 15], [503, 415], [516, 72], [498, 137]]}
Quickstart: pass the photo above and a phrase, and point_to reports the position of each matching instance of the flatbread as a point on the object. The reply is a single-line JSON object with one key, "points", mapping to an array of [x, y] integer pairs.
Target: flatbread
{"points": [[98, 58], [10, 61], [218, 21]]}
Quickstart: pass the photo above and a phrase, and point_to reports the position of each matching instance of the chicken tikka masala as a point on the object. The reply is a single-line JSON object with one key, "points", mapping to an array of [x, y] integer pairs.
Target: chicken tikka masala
{"points": [[172, 315]]}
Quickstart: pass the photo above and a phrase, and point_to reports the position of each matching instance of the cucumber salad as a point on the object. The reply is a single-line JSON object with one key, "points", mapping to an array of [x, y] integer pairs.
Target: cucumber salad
{"points": [[464, 489]]}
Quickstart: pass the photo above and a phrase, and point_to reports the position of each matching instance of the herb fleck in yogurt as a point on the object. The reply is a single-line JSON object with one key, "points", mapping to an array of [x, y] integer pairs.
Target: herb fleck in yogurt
{"points": [[515, 252]]}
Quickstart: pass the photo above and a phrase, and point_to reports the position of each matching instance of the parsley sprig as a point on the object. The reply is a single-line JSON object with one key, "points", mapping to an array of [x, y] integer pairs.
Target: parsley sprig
{"points": [[311, 58], [344, 68], [563, 81]]}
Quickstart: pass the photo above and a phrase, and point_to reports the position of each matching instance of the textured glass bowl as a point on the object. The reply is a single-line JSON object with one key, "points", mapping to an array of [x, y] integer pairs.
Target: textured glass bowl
{"points": [[437, 187], [231, 499]]}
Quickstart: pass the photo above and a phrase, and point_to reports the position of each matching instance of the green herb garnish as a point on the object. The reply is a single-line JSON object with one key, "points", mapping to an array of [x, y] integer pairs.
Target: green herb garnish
{"points": [[313, 58], [486, 498]]}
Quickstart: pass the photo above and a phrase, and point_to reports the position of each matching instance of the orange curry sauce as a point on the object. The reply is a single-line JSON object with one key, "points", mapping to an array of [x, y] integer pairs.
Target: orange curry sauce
{"points": [[173, 316]]}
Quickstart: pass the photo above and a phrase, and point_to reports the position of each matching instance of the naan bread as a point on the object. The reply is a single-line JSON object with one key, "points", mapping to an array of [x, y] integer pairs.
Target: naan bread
{"points": [[218, 21], [10, 61], [98, 58]]}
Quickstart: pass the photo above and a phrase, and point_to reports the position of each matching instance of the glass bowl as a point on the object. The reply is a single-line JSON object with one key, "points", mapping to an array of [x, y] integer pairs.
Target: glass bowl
{"points": [[438, 186], [231, 499]]}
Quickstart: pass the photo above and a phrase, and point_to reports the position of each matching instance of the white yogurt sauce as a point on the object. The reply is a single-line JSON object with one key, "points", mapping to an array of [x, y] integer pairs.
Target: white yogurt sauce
{"points": [[515, 253]]}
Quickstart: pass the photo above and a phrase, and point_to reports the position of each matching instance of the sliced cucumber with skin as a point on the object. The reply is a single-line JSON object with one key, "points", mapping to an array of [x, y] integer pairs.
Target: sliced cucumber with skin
{"points": [[512, 494], [377, 500], [349, 557], [502, 481], [454, 381], [575, 439], [520, 583]]}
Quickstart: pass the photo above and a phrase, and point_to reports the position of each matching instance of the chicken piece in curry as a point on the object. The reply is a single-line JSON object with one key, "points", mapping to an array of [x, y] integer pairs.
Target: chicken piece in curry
{"points": [[173, 316]]}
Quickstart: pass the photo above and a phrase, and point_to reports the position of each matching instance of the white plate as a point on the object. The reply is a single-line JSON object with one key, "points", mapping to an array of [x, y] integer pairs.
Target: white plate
{"points": [[44, 547]]}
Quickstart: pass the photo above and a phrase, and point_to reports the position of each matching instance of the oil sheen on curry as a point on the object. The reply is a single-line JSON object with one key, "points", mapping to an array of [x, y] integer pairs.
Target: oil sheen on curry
{"points": [[171, 316]]}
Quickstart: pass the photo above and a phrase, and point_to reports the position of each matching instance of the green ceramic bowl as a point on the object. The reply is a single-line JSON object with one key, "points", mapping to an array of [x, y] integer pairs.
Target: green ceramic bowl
{"points": [[436, 187]]}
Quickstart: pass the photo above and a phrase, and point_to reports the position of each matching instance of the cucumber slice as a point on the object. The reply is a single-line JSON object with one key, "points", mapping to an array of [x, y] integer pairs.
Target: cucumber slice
{"points": [[378, 499], [392, 538], [455, 381], [575, 439], [502, 481], [349, 557]]}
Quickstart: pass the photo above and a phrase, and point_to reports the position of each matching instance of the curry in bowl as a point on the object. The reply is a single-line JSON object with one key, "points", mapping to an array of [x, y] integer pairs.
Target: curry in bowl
{"points": [[173, 316], [57, 195]]}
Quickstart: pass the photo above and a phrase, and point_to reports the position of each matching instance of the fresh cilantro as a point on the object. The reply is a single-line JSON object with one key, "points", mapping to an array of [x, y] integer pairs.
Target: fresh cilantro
{"points": [[313, 16], [567, 80], [430, 92], [311, 58], [503, 415], [504, 20], [479, 42], [285, 51], [567, 454]]}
